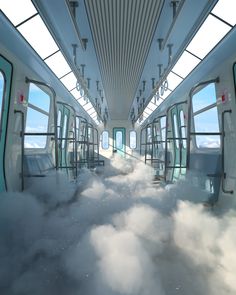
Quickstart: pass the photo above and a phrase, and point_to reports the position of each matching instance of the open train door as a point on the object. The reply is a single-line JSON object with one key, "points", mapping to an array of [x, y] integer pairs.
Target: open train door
{"points": [[5, 88]]}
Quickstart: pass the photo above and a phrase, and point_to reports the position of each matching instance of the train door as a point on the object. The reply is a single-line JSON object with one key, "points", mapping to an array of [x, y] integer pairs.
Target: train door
{"points": [[119, 142], [180, 141], [176, 153], [62, 127], [5, 86]]}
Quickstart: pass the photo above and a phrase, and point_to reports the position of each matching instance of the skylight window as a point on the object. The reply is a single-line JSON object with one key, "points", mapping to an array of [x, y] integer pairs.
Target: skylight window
{"points": [[58, 64], [87, 106], [166, 94], [186, 63], [148, 111], [76, 94], [69, 81], [38, 36], [156, 100], [173, 81], [91, 111], [82, 102], [152, 106], [18, 11], [225, 9], [210, 33]]}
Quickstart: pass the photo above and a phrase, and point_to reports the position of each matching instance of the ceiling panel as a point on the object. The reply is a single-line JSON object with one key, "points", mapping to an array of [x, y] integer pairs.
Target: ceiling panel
{"points": [[122, 33]]}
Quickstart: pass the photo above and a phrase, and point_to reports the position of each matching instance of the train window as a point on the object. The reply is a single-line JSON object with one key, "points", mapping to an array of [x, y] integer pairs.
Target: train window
{"points": [[105, 140], [37, 117], [1, 95], [163, 130], [77, 121], [133, 139], [119, 140], [64, 131], [149, 134], [205, 117], [176, 131], [182, 128], [59, 123]]}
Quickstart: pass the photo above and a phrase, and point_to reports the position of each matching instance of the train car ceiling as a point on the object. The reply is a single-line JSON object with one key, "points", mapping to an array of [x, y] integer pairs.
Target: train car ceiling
{"points": [[118, 63]]}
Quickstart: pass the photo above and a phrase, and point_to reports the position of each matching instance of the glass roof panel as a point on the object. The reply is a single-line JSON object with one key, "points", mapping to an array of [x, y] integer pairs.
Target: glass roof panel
{"points": [[18, 11], [173, 81], [76, 94], [148, 111], [91, 111], [166, 94], [210, 33], [38, 36], [58, 64], [186, 63], [94, 116], [157, 101], [152, 106], [69, 81], [87, 106], [82, 101], [225, 9]]}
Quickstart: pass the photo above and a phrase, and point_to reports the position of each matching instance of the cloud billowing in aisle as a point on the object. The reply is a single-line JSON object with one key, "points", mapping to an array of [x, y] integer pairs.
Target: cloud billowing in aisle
{"points": [[118, 235]]}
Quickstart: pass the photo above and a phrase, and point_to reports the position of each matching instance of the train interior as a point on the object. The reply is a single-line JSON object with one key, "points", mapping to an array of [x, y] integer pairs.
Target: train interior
{"points": [[117, 147]]}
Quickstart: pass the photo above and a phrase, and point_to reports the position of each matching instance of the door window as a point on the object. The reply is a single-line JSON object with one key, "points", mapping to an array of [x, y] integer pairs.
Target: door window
{"points": [[37, 117], [105, 140], [2, 85]]}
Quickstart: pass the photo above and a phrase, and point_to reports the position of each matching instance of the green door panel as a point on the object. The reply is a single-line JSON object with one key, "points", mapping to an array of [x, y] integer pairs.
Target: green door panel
{"points": [[5, 89], [119, 140]]}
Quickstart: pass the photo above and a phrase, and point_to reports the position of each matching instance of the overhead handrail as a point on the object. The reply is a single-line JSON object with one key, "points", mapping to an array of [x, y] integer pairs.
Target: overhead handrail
{"points": [[22, 147], [189, 132], [27, 80], [171, 138], [223, 152]]}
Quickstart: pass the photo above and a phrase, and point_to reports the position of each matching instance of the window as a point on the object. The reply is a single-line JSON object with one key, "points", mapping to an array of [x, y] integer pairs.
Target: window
{"points": [[176, 131], [37, 117], [182, 128], [163, 130], [212, 30], [206, 117], [1, 96], [119, 140], [18, 12], [132, 139], [149, 134], [77, 126], [186, 63], [105, 140], [64, 131], [59, 124], [38, 36]]}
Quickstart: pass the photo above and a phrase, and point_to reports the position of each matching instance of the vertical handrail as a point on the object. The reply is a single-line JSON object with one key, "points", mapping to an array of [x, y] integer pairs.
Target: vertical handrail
{"points": [[166, 149], [223, 152], [27, 80], [193, 89], [22, 146]]}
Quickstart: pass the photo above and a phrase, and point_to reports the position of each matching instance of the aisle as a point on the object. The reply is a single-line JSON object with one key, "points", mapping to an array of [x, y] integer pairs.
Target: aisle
{"points": [[120, 234]]}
